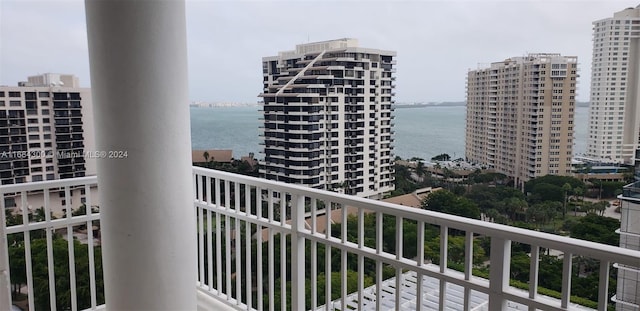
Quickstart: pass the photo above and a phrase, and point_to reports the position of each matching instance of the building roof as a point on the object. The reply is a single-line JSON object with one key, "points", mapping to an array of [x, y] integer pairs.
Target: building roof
{"points": [[413, 199], [225, 156]]}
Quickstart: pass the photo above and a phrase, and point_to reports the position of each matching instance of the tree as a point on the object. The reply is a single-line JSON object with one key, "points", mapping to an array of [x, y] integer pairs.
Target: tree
{"points": [[546, 192], [441, 157], [61, 269], [447, 202], [420, 170], [567, 189], [596, 228]]}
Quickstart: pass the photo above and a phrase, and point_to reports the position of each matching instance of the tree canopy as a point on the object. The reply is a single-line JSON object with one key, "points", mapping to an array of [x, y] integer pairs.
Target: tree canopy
{"points": [[441, 157], [447, 202]]}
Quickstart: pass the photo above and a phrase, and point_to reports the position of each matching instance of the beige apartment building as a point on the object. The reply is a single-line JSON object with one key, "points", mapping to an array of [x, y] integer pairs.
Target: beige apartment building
{"points": [[46, 130], [614, 115], [520, 114], [328, 117]]}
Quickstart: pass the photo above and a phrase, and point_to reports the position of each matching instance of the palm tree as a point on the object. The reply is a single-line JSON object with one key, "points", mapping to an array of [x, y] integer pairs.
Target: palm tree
{"points": [[566, 188]]}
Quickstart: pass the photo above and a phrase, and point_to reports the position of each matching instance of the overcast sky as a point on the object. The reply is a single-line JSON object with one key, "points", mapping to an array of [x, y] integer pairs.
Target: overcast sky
{"points": [[437, 41]]}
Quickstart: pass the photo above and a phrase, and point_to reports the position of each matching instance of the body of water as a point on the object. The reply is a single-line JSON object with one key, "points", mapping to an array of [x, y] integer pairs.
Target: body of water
{"points": [[419, 132]]}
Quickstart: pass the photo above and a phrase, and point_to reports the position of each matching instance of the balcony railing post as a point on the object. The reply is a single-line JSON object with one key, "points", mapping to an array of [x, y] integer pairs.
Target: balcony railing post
{"points": [[500, 262], [5, 283], [297, 253]]}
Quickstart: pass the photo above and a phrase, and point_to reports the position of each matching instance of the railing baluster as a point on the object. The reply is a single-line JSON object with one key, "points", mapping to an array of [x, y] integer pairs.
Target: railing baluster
{"points": [[327, 260], [314, 255], [444, 250], [327, 264], [72, 266], [343, 258], [603, 285], [379, 250], [27, 249], [209, 244], [227, 252], [92, 266], [270, 206], [50, 263], [5, 278], [399, 251], [420, 263], [343, 279], [210, 248], [297, 253], [238, 244], [218, 239], [200, 219], [360, 258], [283, 270], [499, 273], [468, 267], [270, 268], [534, 267], [247, 243], [566, 279], [259, 230], [238, 251]]}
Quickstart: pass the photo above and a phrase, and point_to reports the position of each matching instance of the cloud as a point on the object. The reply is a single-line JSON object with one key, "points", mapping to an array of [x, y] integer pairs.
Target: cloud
{"points": [[437, 41]]}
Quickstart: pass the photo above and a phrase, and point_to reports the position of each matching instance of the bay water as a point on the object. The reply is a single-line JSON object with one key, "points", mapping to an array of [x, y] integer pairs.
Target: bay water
{"points": [[421, 132]]}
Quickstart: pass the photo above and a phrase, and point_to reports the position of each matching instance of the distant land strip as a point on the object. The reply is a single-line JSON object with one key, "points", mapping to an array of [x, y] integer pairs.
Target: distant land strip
{"points": [[456, 104]]}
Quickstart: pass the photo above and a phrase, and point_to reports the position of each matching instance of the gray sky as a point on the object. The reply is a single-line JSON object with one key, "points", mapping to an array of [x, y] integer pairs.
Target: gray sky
{"points": [[437, 41]]}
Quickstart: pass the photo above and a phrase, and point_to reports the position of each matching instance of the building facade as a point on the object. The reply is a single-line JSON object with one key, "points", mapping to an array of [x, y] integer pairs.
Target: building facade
{"points": [[520, 115], [628, 285], [614, 115], [328, 117], [45, 130]]}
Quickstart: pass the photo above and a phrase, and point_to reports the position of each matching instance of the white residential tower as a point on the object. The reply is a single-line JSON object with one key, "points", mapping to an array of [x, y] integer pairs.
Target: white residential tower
{"points": [[328, 117], [614, 113]]}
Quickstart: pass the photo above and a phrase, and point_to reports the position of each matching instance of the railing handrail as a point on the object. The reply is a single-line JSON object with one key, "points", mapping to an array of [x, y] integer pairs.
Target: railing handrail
{"points": [[48, 184], [541, 239]]}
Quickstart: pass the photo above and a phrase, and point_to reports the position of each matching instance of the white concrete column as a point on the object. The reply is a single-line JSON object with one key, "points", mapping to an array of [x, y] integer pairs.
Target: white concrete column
{"points": [[138, 58]]}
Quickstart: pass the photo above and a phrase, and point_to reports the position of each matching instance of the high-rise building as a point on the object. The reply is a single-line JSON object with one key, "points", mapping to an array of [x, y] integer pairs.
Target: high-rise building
{"points": [[328, 117], [628, 285], [520, 115], [614, 114], [45, 130]]}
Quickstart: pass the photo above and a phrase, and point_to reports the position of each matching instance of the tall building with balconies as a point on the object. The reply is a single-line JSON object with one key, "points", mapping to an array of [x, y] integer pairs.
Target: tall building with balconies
{"points": [[614, 115], [43, 130], [328, 117], [628, 284], [520, 115]]}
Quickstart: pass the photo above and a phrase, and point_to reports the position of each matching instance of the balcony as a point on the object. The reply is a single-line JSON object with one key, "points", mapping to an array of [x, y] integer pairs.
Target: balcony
{"points": [[251, 233]]}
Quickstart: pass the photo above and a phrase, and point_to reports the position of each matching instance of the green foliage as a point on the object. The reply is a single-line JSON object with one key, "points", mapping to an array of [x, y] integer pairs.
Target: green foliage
{"points": [[447, 202], [597, 229], [487, 197], [235, 166], [555, 180], [488, 178], [605, 189], [61, 270], [405, 184], [541, 192], [441, 157]]}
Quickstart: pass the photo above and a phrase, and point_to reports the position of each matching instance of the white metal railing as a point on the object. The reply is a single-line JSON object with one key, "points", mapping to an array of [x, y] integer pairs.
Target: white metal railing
{"points": [[236, 214], [252, 233], [38, 237]]}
